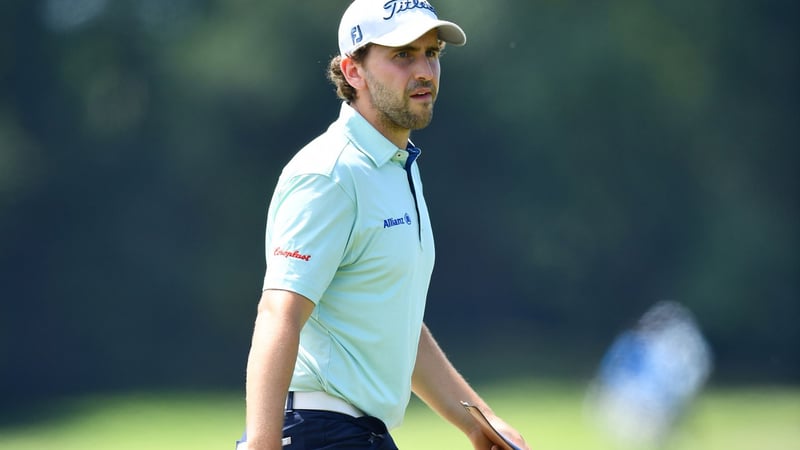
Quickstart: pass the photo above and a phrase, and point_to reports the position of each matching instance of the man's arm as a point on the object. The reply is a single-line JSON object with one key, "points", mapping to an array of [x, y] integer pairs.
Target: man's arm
{"points": [[273, 352], [439, 385]]}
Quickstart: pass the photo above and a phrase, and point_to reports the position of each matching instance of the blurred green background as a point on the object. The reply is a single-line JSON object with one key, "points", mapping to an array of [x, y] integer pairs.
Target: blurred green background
{"points": [[585, 161], [548, 413]]}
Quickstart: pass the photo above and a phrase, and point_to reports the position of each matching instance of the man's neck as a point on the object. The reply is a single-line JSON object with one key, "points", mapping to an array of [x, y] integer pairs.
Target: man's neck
{"points": [[397, 136]]}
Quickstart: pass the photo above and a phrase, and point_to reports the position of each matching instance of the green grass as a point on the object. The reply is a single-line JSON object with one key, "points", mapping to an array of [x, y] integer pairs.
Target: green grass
{"points": [[550, 415]]}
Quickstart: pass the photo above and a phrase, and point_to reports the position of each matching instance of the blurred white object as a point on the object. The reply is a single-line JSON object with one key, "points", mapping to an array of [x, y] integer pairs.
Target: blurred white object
{"points": [[650, 375]]}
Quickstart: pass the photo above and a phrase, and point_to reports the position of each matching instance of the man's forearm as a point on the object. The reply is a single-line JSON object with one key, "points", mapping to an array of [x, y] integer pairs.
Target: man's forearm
{"points": [[267, 383], [270, 364], [439, 384]]}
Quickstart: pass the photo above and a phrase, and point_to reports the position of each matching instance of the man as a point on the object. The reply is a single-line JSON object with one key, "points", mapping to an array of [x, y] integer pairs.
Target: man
{"points": [[339, 342]]}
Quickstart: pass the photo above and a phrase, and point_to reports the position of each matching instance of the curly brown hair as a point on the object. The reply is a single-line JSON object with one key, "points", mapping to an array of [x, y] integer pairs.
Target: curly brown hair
{"points": [[343, 89]]}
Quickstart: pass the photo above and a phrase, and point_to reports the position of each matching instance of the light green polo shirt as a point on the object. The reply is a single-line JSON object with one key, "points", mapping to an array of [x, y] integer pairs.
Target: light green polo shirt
{"points": [[343, 230]]}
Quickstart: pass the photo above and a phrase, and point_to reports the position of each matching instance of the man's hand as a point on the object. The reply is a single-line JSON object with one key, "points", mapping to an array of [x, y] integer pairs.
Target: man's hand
{"points": [[480, 441]]}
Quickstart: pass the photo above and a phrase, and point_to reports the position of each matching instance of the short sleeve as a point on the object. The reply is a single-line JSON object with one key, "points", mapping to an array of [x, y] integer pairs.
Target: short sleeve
{"points": [[309, 223]]}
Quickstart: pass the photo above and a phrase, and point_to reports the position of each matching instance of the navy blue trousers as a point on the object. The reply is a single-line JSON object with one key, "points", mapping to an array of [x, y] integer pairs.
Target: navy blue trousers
{"points": [[324, 430]]}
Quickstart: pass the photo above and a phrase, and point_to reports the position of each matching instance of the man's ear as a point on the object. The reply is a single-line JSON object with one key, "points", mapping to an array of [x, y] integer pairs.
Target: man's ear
{"points": [[353, 73]]}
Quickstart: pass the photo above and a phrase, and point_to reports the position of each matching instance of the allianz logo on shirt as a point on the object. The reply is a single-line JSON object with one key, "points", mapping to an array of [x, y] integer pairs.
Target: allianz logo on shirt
{"points": [[394, 221]]}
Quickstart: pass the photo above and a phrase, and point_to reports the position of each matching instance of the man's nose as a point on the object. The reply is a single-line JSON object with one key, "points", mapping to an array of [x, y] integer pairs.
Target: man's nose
{"points": [[424, 69]]}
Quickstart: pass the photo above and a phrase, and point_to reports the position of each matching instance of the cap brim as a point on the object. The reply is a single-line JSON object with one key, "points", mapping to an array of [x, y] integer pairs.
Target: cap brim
{"points": [[452, 33], [448, 32]]}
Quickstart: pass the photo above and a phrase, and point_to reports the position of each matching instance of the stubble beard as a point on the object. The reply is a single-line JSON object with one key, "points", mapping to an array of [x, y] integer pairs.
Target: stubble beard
{"points": [[395, 111]]}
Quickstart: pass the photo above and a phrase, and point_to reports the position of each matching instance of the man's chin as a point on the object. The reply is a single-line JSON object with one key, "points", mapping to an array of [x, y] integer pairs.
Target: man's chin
{"points": [[422, 120], [422, 124], [409, 120]]}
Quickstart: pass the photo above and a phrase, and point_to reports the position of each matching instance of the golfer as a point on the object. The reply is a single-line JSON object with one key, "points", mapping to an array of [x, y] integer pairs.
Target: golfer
{"points": [[339, 342]]}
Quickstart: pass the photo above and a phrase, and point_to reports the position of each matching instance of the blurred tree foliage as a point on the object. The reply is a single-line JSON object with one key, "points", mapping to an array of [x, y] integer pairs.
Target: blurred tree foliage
{"points": [[586, 160]]}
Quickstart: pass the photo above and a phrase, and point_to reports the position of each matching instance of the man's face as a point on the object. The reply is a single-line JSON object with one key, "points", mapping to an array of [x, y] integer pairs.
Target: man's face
{"points": [[403, 82]]}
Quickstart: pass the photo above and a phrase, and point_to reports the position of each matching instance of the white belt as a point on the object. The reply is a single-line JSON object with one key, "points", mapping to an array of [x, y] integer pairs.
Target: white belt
{"points": [[321, 401]]}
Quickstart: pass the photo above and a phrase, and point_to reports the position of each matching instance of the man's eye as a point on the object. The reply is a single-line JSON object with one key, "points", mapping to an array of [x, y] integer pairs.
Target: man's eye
{"points": [[402, 54]]}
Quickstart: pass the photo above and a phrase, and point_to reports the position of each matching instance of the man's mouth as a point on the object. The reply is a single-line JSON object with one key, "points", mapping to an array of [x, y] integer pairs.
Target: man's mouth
{"points": [[422, 94]]}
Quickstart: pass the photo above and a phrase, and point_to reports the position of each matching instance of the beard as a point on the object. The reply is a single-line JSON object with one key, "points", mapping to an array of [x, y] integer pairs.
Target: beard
{"points": [[394, 111]]}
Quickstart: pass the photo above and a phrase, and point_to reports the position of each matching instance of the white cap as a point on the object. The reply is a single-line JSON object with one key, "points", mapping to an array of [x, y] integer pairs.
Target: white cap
{"points": [[392, 23]]}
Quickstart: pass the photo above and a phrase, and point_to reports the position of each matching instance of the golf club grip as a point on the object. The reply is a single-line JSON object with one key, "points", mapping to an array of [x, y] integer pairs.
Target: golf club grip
{"points": [[488, 429]]}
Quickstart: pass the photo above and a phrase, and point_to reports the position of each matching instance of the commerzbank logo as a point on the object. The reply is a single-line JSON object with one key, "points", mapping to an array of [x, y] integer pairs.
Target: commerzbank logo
{"points": [[395, 221]]}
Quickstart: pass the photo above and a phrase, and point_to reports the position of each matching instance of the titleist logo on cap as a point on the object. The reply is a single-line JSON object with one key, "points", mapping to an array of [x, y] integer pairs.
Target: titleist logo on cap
{"points": [[392, 23], [397, 6]]}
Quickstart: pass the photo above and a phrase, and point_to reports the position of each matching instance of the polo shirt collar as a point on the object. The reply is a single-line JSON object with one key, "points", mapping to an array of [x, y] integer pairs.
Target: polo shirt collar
{"points": [[370, 141]]}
